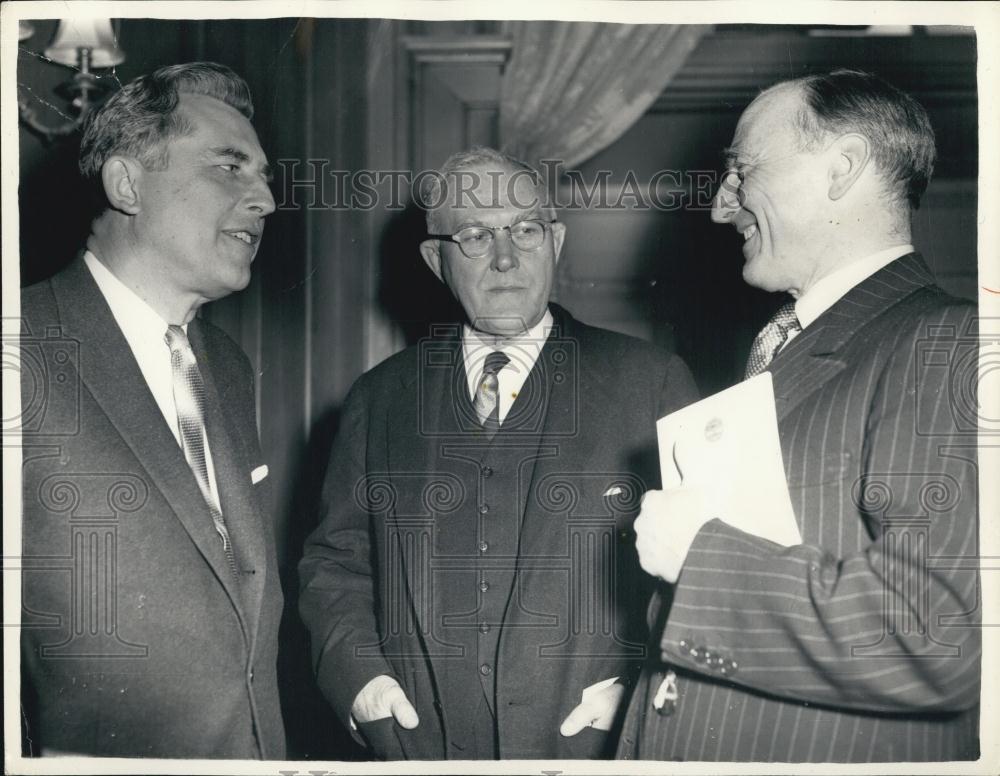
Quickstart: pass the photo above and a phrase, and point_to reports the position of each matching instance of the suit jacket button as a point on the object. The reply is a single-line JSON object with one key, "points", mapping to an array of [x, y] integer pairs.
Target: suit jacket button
{"points": [[485, 669], [487, 471], [483, 546]]}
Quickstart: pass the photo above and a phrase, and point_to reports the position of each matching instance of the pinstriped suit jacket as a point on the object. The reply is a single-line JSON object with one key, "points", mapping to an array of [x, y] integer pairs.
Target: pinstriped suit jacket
{"points": [[862, 643]]}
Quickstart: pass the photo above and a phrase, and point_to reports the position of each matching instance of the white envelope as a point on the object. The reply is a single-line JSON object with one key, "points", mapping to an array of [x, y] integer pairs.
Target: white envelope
{"points": [[727, 445]]}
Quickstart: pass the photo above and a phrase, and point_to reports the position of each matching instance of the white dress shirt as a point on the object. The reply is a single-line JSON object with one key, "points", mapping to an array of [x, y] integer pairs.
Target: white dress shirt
{"points": [[144, 331], [828, 290], [522, 350]]}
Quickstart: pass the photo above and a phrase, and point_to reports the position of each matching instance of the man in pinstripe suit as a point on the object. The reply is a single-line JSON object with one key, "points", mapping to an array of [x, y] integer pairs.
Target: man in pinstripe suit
{"points": [[862, 643]]}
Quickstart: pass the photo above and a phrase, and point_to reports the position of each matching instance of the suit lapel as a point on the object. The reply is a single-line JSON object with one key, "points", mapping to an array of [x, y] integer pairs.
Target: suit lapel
{"points": [[559, 366], [111, 374], [232, 477], [422, 419], [813, 358]]}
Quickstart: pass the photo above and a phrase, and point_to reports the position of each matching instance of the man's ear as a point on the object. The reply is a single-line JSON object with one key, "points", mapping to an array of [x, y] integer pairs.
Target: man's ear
{"points": [[121, 177], [852, 154], [431, 251], [558, 235]]}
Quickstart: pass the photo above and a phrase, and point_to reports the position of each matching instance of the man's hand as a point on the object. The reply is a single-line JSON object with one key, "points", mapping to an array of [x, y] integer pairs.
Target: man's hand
{"points": [[596, 710], [666, 526], [381, 698]]}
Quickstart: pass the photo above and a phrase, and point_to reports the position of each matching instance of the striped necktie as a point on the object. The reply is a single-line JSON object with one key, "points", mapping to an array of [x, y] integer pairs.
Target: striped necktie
{"points": [[189, 397], [771, 338], [487, 401]]}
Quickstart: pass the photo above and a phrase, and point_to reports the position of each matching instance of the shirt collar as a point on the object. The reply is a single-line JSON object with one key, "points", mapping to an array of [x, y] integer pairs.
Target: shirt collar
{"points": [[827, 290], [139, 322], [522, 349]]}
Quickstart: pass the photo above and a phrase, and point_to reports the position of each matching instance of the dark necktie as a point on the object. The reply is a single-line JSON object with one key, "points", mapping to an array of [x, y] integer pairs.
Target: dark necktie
{"points": [[487, 401], [189, 398], [771, 338]]}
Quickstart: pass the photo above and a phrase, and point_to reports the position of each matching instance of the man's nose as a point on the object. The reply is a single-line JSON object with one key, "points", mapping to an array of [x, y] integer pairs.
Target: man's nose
{"points": [[504, 255], [727, 202], [260, 199]]}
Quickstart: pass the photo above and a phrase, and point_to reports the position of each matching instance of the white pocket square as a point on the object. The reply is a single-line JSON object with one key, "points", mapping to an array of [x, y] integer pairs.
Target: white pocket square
{"points": [[258, 474], [614, 490]]}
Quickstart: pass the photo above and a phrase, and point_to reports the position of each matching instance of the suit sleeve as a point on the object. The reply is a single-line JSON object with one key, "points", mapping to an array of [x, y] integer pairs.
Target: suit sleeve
{"points": [[679, 389], [894, 627], [338, 597]]}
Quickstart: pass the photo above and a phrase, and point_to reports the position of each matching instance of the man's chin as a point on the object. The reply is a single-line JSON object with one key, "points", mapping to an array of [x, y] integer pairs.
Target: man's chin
{"points": [[755, 274]]}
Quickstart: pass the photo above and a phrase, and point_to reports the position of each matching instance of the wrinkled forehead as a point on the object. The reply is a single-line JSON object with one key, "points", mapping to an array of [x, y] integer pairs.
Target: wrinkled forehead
{"points": [[216, 122]]}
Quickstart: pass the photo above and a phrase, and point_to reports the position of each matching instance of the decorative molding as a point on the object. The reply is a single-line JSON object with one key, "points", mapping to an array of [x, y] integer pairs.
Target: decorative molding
{"points": [[728, 70], [471, 49]]}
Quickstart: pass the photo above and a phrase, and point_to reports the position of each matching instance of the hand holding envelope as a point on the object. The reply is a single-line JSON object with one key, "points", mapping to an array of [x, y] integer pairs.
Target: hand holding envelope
{"points": [[719, 457]]}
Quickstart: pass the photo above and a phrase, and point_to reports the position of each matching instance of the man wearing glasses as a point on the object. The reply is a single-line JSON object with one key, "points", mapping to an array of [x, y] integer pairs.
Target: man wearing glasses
{"points": [[861, 644], [473, 591]]}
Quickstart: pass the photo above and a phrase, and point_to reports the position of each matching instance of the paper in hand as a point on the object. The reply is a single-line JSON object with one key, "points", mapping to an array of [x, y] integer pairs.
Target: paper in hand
{"points": [[727, 445]]}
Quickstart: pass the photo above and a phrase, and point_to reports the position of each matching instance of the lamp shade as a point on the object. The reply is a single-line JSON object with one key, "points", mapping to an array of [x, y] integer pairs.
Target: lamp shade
{"points": [[95, 34]]}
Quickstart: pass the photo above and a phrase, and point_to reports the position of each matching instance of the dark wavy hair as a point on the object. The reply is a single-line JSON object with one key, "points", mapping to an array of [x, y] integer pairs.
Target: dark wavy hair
{"points": [[139, 119]]}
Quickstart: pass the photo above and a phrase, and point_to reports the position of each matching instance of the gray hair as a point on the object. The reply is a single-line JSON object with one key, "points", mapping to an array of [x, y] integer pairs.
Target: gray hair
{"points": [[434, 186], [139, 118]]}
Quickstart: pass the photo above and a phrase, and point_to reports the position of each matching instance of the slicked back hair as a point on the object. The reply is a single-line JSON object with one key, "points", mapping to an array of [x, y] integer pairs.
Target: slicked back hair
{"points": [[434, 193], [895, 124], [140, 118]]}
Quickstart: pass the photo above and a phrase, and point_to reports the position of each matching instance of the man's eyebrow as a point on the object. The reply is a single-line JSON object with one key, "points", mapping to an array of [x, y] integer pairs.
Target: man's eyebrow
{"points": [[230, 153], [243, 157], [730, 154]]}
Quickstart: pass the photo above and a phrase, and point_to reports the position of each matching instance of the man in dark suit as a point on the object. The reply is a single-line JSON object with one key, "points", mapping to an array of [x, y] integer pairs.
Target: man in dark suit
{"points": [[472, 590], [150, 590], [861, 643]]}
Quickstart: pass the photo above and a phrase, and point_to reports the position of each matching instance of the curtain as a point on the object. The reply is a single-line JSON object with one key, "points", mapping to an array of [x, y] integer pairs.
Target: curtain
{"points": [[571, 89]]}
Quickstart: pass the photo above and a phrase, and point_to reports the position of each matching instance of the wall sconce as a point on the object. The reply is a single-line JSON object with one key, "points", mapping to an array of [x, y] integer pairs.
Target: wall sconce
{"points": [[82, 44]]}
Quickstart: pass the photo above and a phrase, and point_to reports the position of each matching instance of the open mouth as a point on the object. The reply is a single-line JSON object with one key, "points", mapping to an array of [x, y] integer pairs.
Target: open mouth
{"points": [[249, 238], [750, 246]]}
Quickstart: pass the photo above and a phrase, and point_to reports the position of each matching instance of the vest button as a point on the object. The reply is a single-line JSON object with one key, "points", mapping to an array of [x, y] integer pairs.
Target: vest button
{"points": [[483, 546], [485, 669], [484, 585], [487, 471], [484, 627], [484, 509]]}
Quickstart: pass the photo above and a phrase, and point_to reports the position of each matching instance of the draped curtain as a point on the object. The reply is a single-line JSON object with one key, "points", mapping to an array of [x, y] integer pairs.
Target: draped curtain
{"points": [[572, 89]]}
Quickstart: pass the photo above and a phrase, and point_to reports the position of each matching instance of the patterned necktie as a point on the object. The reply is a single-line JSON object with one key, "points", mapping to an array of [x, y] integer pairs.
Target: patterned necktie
{"points": [[189, 397], [487, 401], [771, 338]]}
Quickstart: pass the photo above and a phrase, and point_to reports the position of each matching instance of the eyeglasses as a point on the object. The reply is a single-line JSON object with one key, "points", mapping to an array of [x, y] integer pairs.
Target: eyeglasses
{"points": [[730, 192], [476, 241]]}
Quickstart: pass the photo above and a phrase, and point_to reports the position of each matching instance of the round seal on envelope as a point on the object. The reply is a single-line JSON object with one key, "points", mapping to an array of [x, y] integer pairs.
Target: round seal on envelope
{"points": [[713, 430]]}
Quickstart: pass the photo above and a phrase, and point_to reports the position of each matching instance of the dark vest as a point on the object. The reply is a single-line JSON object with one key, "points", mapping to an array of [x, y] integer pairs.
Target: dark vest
{"points": [[482, 537]]}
